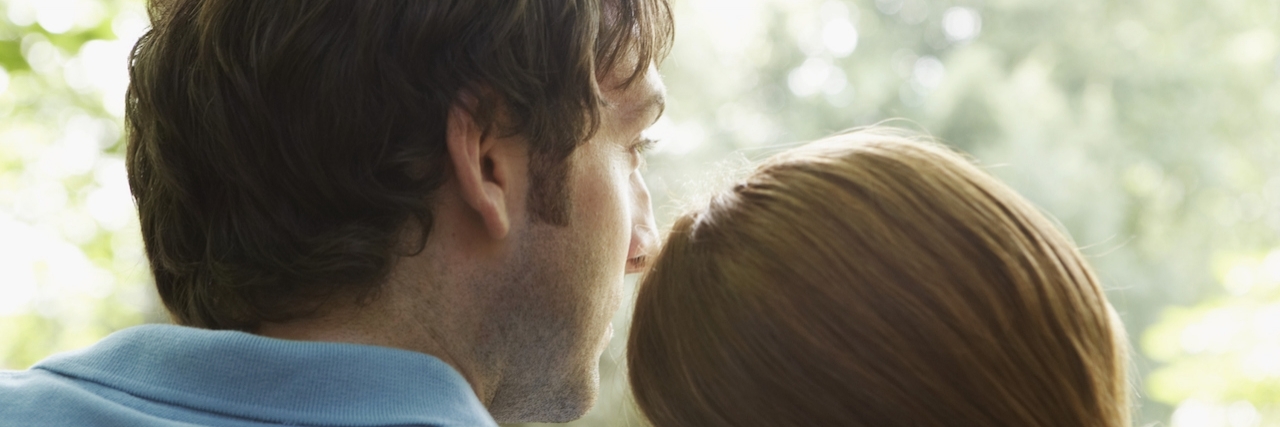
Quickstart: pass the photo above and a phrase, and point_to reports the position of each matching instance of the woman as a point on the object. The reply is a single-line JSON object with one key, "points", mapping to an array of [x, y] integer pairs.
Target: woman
{"points": [[873, 280]]}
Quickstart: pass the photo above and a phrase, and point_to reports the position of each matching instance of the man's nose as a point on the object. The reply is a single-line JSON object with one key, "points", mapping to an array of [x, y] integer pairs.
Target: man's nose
{"points": [[644, 232], [644, 245]]}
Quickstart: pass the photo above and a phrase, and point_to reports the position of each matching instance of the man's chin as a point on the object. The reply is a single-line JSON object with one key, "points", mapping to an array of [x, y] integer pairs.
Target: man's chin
{"points": [[570, 413], [580, 398], [565, 402]]}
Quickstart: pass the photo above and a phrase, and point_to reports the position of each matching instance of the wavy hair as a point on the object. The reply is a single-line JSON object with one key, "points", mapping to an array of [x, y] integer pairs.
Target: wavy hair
{"points": [[277, 149]]}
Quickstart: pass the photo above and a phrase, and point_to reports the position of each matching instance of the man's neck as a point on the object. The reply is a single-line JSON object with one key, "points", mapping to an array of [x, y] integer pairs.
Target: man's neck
{"points": [[384, 325]]}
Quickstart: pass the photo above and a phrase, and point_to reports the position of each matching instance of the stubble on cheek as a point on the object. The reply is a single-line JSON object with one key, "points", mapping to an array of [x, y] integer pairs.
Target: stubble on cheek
{"points": [[549, 323], [560, 293]]}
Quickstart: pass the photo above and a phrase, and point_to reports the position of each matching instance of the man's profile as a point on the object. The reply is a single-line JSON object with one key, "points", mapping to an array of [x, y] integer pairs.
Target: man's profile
{"points": [[374, 212]]}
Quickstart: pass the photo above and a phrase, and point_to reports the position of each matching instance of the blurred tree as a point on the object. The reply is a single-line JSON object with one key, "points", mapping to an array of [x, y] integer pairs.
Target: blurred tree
{"points": [[70, 253], [1151, 130]]}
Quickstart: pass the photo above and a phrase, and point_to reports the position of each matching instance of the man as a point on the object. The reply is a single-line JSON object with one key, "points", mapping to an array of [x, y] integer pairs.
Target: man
{"points": [[374, 212]]}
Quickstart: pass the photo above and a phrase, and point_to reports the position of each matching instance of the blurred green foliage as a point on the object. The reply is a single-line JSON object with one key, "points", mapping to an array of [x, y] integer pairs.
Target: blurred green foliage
{"points": [[70, 250], [1150, 129]]}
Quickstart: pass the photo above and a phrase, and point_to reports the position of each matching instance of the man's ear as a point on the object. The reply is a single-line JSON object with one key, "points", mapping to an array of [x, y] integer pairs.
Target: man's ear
{"points": [[482, 169]]}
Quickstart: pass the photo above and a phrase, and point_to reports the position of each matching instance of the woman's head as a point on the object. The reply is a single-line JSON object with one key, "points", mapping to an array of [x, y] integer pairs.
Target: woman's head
{"points": [[872, 280]]}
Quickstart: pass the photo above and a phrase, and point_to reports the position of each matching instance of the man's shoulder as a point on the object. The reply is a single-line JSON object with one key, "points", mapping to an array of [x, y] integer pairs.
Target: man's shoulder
{"points": [[22, 391], [37, 397], [173, 376]]}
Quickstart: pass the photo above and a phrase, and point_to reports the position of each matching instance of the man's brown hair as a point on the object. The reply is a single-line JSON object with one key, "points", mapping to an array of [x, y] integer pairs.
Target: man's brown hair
{"points": [[276, 149], [873, 280]]}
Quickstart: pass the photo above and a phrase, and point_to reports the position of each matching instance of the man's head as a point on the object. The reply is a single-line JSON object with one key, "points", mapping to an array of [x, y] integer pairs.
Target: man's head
{"points": [[276, 149], [438, 161]]}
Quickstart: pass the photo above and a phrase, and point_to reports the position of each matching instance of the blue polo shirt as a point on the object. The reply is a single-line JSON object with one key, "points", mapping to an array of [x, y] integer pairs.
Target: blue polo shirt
{"points": [[164, 375]]}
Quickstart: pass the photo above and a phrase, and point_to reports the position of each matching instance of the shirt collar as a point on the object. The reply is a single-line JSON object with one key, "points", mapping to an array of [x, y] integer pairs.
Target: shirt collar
{"points": [[290, 382]]}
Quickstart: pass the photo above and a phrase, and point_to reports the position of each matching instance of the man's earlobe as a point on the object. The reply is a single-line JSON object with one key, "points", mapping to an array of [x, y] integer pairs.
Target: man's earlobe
{"points": [[481, 183]]}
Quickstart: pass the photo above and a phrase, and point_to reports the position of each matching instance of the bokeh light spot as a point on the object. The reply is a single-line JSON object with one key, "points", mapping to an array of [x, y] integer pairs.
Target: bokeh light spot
{"points": [[840, 37], [814, 76], [929, 72], [961, 24]]}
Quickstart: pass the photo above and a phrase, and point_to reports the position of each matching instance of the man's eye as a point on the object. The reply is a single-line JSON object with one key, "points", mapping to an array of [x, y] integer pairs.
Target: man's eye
{"points": [[643, 145]]}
